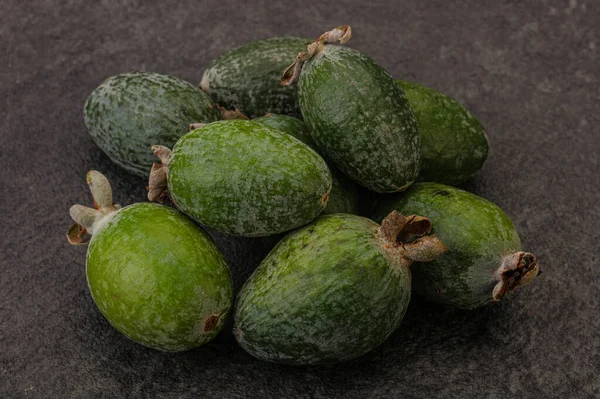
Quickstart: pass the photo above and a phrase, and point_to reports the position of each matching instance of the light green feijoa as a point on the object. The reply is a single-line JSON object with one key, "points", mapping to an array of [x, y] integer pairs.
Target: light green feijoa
{"points": [[344, 194], [153, 273], [243, 178], [454, 144], [130, 112], [333, 290], [484, 260], [356, 113], [247, 78]]}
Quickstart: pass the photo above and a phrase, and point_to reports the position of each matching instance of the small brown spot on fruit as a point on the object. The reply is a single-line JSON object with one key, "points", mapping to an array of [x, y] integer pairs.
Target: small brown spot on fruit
{"points": [[211, 322], [237, 333], [325, 199]]}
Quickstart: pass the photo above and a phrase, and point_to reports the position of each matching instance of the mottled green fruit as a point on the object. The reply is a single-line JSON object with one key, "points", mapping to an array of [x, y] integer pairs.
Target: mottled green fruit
{"points": [[247, 77], [344, 194], [288, 124], [454, 144], [328, 292], [244, 178], [360, 118], [484, 259], [129, 113], [344, 197], [154, 274]]}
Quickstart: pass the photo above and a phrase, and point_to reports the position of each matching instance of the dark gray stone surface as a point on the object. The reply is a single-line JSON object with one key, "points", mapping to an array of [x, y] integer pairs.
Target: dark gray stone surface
{"points": [[529, 71]]}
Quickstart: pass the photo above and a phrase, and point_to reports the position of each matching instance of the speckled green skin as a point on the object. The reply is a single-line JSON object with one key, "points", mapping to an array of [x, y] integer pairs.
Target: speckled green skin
{"points": [[477, 233], [244, 178], [454, 144], [290, 125], [157, 278], [344, 197], [129, 113], [248, 77], [325, 294], [360, 119], [344, 194]]}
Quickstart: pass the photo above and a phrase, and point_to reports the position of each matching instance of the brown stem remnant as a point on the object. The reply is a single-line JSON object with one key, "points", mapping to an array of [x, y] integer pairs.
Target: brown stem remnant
{"points": [[194, 126], [339, 35], [405, 238], [88, 219], [230, 114], [517, 269], [211, 322], [157, 182]]}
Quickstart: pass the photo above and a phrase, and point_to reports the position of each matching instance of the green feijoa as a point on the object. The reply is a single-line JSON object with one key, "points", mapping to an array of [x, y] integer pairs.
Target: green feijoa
{"points": [[243, 178], [454, 144], [153, 273], [484, 260], [247, 77], [356, 113], [333, 290], [344, 197], [128, 113], [344, 194], [288, 124]]}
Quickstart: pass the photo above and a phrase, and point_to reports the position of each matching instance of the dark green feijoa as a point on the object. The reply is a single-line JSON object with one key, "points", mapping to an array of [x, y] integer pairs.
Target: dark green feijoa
{"points": [[333, 290], [344, 197], [152, 272], [344, 194], [356, 113], [484, 260], [247, 77], [243, 178], [128, 113], [454, 144], [288, 124]]}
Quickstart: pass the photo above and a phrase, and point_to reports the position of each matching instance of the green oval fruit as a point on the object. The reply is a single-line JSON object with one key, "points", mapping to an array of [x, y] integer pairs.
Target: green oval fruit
{"points": [[129, 113], [244, 178], [247, 77], [331, 291], [357, 114], [454, 144], [155, 275], [288, 124], [344, 194], [484, 259]]}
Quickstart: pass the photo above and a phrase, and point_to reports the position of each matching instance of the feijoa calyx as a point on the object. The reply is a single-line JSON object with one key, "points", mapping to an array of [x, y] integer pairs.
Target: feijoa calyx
{"points": [[484, 261], [332, 290], [152, 272], [128, 113], [357, 115], [243, 178]]}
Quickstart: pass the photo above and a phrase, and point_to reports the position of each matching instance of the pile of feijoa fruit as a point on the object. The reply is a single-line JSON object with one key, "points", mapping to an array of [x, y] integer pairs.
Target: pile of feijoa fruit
{"points": [[264, 147]]}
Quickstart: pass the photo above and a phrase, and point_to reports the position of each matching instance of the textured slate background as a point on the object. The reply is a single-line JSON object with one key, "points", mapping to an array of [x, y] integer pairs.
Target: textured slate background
{"points": [[528, 70]]}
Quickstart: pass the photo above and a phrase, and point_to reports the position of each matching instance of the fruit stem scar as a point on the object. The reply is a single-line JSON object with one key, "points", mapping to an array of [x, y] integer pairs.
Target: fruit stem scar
{"points": [[517, 269], [211, 322], [339, 35], [87, 220], [405, 236], [325, 199]]}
